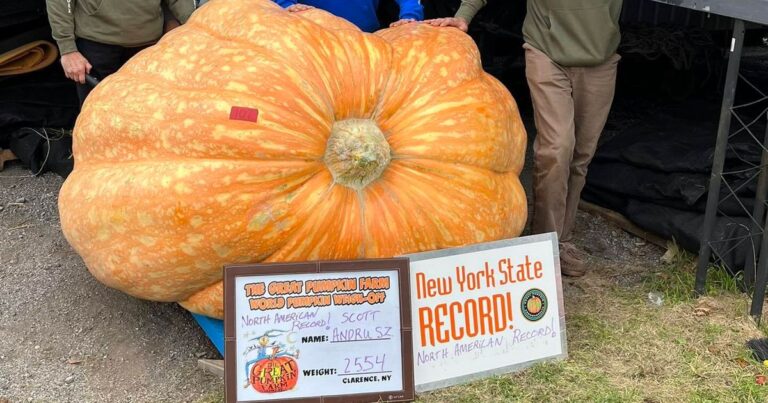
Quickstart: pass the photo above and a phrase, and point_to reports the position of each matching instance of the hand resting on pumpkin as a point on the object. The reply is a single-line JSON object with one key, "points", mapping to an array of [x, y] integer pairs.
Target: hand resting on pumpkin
{"points": [[402, 22], [459, 23], [299, 7]]}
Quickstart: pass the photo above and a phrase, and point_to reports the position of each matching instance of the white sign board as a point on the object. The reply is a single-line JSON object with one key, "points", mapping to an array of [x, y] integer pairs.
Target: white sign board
{"points": [[485, 309], [311, 334]]}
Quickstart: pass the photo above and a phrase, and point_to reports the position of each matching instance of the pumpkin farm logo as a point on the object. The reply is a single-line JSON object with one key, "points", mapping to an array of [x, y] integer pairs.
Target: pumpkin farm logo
{"points": [[534, 304], [275, 368], [275, 374]]}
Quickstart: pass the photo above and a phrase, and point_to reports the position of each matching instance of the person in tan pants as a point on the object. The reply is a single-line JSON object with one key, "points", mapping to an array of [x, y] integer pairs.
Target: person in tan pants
{"points": [[571, 61]]}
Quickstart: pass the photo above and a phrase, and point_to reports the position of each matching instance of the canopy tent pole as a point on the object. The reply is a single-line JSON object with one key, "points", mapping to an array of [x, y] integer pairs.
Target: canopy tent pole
{"points": [[761, 277], [721, 145]]}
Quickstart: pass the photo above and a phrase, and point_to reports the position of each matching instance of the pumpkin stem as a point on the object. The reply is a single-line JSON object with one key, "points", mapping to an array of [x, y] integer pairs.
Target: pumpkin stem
{"points": [[356, 153]]}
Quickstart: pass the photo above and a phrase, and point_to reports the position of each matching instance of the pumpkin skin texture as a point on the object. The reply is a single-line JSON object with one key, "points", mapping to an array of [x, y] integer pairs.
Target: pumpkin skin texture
{"points": [[366, 145]]}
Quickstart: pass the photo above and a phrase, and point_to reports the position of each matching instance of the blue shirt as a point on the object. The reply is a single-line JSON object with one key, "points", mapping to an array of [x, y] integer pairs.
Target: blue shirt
{"points": [[360, 12]]}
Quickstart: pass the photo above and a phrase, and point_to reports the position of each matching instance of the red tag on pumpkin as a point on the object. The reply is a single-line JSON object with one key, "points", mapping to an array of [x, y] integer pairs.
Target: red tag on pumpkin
{"points": [[243, 113]]}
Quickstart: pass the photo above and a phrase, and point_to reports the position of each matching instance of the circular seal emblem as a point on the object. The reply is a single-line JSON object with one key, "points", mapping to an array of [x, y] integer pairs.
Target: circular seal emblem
{"points": [[534, 304]]}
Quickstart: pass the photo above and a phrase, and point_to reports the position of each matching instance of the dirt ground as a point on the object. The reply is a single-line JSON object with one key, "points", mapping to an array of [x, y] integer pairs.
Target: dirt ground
{"points": [[64, 337]]}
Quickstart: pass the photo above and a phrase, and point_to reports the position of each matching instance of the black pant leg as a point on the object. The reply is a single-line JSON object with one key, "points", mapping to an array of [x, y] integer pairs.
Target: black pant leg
{"points": [[104, 59], [128, 53]]}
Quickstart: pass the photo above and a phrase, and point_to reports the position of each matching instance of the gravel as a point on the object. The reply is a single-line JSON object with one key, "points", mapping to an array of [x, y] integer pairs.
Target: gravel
{"points": [[64, 337]]}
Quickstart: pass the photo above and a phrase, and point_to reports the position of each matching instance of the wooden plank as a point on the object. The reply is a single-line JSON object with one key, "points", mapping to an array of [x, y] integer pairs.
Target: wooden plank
{"points": [[5, 156], [215, 367], [623, 223]]}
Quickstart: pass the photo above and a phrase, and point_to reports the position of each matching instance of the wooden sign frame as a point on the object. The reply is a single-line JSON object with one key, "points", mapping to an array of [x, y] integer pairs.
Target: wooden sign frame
{"points": [[401, 265]]}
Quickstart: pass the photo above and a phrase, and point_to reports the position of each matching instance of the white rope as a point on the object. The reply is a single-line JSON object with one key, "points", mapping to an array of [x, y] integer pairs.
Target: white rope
{"points": [[60, 135]]}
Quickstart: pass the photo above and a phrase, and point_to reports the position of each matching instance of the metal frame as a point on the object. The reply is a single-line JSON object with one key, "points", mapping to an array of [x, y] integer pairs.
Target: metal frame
{"points": [[745, 10], [756, 269], [713, 198], [761, 278]]}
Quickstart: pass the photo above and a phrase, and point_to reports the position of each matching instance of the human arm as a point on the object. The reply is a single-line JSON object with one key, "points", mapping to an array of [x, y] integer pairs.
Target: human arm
{"points": [[292, 5], [469, 9], [180, 9], [169, 22], [285, 3], [463, 16], [410, 11], [62, 21]]}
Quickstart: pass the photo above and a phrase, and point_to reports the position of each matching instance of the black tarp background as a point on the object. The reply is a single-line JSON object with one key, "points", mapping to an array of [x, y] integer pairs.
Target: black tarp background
{"points": [[32, 103], [654, 162], [17, 12]]}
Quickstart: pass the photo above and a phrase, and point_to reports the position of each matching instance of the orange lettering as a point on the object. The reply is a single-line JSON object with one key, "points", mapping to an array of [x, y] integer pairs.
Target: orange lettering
{"points": [[285, 287], [470, 316], [456, 332], [374, 283], [484, 316], [425, 324], [499, 313], [254, 289], [432, 287], [442, 335], [537, 268]]}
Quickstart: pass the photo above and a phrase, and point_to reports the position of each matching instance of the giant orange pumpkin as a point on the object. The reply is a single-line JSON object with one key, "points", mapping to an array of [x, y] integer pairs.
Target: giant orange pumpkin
{"points": [[351, 145]]}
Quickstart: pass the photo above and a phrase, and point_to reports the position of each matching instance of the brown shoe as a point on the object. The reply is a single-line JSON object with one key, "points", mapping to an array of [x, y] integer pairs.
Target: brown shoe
{"points": [[571, 262]]}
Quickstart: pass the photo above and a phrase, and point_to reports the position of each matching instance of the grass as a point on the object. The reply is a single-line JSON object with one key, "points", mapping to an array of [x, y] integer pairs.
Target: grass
{"points": [[216, 396], [622, 348], [678, 274]]}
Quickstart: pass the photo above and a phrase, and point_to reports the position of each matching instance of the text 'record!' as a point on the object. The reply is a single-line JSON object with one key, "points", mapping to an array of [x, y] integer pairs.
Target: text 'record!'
{"points": [[485, 309]]}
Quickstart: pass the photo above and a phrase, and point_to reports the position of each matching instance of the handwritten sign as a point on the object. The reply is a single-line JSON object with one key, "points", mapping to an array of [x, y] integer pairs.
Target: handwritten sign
{"points": [[486, 309], [305, 332]]}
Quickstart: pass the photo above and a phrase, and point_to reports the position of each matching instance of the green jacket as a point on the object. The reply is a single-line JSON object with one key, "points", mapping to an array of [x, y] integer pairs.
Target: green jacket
{"points": [[573, 33], [126, 23]]}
